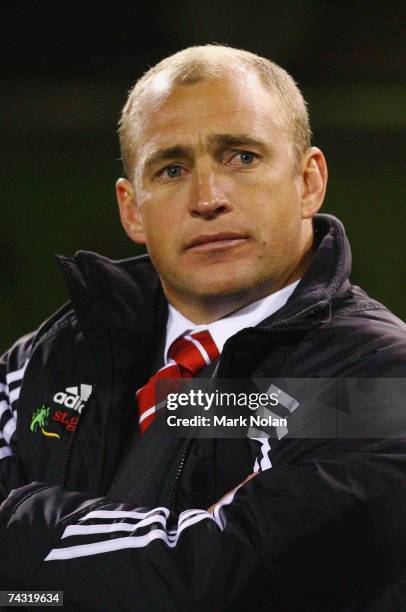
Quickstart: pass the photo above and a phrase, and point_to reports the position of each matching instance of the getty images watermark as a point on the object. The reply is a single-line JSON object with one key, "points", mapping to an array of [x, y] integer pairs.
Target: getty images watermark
{"points": [[228, 412], [288, 407]]}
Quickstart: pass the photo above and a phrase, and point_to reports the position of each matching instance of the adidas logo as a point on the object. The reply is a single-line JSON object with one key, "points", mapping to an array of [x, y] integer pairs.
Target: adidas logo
{"points": [[74, 397]]}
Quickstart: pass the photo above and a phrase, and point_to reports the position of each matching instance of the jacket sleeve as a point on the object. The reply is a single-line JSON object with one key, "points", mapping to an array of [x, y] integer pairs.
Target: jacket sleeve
{"points": [[12, 368], [295, 517]]}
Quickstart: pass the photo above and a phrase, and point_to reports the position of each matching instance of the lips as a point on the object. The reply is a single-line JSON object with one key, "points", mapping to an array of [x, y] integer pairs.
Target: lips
{"points": [[218, 240]]}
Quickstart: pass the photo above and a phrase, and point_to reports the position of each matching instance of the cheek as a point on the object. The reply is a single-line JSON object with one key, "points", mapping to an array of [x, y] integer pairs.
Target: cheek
{"points": [[276, 219], [143, 195], [164, 216], [159, 234]]}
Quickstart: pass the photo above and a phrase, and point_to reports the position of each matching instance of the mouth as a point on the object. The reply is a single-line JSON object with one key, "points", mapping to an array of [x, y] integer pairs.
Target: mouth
{"points": [[221, 240]]}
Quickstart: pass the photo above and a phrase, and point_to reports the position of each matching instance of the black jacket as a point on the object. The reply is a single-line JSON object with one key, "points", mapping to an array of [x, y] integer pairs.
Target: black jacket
{"points": [[119, 522]]}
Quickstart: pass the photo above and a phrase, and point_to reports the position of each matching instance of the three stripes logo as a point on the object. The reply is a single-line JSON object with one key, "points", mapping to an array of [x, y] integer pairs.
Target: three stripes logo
{"points": [[74, 397]]}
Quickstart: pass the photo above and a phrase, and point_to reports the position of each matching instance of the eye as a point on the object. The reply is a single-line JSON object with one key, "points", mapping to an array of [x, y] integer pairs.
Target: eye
{"points": [[171, 171], [243, 158], [247, 157]]}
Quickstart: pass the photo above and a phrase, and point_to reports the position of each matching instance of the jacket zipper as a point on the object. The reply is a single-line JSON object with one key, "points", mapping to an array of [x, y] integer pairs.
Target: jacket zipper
{"points": [[68, 451], [173, 496], [188, 443]]}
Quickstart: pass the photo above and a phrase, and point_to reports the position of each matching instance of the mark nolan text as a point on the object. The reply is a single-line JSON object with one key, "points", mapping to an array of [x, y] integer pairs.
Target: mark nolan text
{"points": [[223, 421]]}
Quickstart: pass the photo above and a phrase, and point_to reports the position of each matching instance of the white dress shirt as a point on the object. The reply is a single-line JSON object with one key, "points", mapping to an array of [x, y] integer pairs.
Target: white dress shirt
{"points": [[223, 329]]}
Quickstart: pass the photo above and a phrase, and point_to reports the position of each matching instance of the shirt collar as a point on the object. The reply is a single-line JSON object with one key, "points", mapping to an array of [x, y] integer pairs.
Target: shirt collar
{"points": [[221, 330]]}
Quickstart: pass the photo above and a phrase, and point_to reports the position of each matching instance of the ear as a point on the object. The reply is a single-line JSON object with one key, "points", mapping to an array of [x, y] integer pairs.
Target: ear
{"points": [[314, 181], [129, 212]]}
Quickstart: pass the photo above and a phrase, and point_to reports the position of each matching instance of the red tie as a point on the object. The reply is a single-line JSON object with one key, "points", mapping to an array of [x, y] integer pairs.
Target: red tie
{"points": [[188, 355]]}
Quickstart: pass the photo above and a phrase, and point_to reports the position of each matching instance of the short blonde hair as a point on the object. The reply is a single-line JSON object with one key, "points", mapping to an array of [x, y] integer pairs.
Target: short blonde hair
{"points": [[196, 64]]}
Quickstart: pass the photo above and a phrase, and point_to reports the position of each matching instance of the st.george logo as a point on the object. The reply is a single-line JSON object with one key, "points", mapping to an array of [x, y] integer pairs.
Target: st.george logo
{"points": [[73, 398], [39, 419]]}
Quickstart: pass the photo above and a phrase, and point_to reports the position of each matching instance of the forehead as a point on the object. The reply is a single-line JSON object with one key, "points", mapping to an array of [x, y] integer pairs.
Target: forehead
{"points": [[191, 113]]}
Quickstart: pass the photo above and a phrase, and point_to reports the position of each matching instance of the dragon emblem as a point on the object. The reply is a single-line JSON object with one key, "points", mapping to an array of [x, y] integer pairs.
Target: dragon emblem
{"points": [[39, 419]]}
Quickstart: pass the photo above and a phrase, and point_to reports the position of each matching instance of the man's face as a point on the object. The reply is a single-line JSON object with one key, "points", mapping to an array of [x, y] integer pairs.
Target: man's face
{"points": [[216, 190]]}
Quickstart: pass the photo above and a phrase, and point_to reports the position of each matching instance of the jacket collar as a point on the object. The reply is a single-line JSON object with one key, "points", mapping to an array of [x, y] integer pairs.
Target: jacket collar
{"points": [[127, 294], [327, 277]]}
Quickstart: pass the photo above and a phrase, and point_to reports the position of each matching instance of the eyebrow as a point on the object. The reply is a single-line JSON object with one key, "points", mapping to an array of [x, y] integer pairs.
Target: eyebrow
{"points": [[177, 151], [235, 140], [216, 141]]}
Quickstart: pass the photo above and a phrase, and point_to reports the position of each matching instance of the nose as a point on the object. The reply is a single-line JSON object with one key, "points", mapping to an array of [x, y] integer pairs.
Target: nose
{"points": [[208, 198]]}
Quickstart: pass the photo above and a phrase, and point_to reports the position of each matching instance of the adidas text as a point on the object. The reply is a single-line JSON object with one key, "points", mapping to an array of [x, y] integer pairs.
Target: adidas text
{"points": [[73, 398]]}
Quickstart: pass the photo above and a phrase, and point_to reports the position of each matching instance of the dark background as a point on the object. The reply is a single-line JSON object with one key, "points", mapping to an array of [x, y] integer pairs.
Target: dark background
{"points": [[66, 72]]}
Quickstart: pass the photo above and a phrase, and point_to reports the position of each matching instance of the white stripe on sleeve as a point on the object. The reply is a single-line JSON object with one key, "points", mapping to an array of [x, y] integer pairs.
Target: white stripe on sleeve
{"points": [[17, 374], [14, 394], [5, 451]]}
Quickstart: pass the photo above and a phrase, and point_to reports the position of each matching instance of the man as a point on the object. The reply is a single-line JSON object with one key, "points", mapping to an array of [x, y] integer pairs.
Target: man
{"points": [[223, 187]]}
